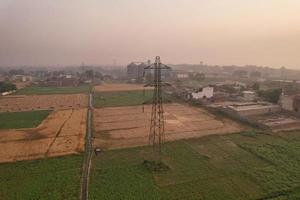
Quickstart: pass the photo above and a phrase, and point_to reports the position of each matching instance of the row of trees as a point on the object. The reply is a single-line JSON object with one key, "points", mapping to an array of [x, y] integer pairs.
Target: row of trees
{"points": [[244, 74], [6, 87], [271, 95]]}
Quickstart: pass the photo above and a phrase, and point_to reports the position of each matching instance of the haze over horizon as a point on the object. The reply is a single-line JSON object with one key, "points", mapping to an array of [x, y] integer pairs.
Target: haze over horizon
{"points": [[217, 32]]}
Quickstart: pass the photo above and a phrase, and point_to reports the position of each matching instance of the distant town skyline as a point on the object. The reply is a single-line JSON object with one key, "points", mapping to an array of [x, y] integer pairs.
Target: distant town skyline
{"points": [[117, 32]]}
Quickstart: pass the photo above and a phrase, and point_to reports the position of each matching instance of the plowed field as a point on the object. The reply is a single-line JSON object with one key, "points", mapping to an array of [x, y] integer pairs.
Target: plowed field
{"points": [[19, 103], [120, 127], [61, 133]]}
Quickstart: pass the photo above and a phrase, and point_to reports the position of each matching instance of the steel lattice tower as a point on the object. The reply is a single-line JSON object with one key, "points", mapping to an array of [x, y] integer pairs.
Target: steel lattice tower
{"points": [[157, 128]]}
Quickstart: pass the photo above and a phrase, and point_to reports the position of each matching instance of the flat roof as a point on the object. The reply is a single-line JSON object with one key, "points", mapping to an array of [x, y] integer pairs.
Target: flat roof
{"points": [[252, 107], [248, 92]]}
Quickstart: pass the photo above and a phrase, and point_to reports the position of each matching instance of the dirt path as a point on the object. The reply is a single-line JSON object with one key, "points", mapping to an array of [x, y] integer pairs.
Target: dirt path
{"points": [[57, 134], [88, 154]]}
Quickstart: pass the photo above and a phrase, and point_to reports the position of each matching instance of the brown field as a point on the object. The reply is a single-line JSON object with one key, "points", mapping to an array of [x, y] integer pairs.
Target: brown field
{"points": [[21, 85], [63, 132], [119, 87], [121, 127], [42, 102]]}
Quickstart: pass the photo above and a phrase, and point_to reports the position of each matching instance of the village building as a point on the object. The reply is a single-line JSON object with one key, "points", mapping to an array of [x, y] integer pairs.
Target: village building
{"points": [[296, 104], [182, 76], [247, 109], [203, 93], [290, 103], [135, 70], [249, 95]]}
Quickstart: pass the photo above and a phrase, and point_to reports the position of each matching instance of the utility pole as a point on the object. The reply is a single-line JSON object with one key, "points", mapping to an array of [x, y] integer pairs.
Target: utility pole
{"points": [[157, 127]]}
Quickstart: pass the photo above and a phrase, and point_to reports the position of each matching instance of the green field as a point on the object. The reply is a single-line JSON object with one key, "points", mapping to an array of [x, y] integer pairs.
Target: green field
{"points": [[53, 178], [15, 120], [238, 166], [53, 90], [125, 98]]}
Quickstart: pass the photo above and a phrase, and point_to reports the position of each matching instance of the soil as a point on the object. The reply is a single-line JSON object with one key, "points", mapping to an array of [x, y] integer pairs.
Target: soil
{"points": [[19, 103], [61, 133], [121, 127]]}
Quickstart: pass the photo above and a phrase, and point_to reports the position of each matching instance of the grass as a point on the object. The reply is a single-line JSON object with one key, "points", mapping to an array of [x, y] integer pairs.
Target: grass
{"points": [[125, 98], [53, 178], [53, 90], [16, 120], [238, 166]]}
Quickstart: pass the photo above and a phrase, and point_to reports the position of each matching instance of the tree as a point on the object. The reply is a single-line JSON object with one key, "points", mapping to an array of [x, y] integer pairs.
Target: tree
{"points": [[178, 83], [229, 89], [148, 78], [199, 76], [6, 87], [256, 86], [89, 73], [16, 72], [291, 88], [271, 95], [98, 75], [255, 74], [240, 73]]}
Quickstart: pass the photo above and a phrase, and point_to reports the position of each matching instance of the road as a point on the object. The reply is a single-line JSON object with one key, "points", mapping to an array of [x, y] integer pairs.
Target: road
{"points": [[88, 152]]}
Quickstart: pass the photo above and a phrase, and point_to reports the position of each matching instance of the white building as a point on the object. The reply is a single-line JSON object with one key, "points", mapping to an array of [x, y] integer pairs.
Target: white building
{"points": [[22, 78], [251, 108], [249, 95], [7, 93], [286, 102], [182, 76], [203, 93]]}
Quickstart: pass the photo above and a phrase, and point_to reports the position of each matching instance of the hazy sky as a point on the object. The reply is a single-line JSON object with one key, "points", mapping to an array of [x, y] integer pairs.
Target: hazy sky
{"points": [[47, 32]]}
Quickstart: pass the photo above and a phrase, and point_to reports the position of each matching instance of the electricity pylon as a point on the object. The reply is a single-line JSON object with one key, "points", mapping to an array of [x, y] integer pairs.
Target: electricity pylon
{"points": [[157, 126]]}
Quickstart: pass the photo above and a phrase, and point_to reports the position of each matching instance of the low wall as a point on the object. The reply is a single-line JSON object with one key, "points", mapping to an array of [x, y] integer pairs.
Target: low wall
{"points": [[244, 119], [259, 111]]}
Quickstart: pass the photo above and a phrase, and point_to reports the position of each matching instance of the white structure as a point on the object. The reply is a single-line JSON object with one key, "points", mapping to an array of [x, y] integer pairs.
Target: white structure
{"points": [[22, 78], [252, 108], [182, 76], [233, 83], [287, 102], [203, 93], [7, 93], [249, 95]]}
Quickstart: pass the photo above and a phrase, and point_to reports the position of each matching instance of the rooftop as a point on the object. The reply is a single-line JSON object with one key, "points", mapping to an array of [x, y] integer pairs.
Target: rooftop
{"points": [[252, 107]]}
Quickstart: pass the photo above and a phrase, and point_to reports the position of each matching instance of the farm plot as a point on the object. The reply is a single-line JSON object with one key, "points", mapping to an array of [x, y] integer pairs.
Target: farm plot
{"points": [[17, 103], [242, 166], [119, 87], [61, 133], [47, 179], [32, 90], [120, 127], [15, 120], [126, 98]]}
